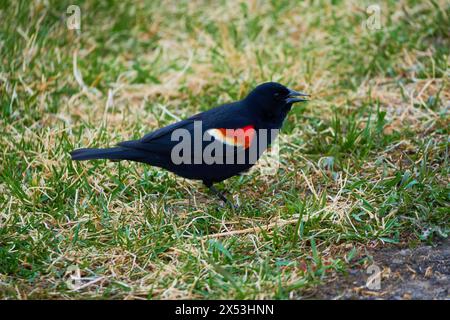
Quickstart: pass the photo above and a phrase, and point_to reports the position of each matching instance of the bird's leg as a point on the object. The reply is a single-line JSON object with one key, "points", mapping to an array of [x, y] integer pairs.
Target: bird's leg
{"points": [[210, 186]]}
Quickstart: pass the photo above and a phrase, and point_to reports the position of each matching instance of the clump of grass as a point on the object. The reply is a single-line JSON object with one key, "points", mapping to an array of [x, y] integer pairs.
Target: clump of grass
{"points": [[365, 161]]}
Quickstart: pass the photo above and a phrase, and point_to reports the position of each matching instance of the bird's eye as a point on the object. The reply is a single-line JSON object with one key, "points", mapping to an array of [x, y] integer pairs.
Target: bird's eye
{"points": [[277, 94]]}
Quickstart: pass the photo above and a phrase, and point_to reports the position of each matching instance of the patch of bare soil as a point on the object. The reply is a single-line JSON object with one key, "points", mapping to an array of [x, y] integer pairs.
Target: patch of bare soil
{"points": [[404, 273]]}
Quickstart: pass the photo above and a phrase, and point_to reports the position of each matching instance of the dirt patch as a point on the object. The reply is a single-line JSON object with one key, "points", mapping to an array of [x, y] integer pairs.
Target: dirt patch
{"points": [[404, 273]]}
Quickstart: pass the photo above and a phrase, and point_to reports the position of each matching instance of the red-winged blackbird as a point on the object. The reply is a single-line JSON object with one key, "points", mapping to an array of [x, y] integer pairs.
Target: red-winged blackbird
{"points": [[265, 107]]}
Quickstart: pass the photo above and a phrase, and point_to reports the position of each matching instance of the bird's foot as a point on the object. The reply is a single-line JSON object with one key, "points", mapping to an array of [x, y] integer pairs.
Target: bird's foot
{"points": [[230, 204], [222, 197]]}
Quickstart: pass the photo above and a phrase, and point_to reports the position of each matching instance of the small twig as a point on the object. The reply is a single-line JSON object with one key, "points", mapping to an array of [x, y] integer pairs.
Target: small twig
{"points": [[88, 283], [252, 229]]}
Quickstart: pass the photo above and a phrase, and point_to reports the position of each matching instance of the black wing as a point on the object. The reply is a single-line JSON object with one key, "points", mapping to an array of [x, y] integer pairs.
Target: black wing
{"points": [[168, 129], [229, 116], [159, 140]]}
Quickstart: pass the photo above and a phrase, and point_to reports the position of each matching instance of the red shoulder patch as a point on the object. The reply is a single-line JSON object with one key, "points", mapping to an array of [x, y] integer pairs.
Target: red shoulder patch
{"points": [[241, 137]]}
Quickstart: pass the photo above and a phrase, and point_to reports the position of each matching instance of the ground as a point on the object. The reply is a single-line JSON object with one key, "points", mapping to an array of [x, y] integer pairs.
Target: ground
{"points": [[363, 167], [405, 273]]}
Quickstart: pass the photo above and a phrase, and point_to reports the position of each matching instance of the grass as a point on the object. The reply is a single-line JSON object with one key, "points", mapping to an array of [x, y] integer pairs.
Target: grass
{"points": [[364, 163]]}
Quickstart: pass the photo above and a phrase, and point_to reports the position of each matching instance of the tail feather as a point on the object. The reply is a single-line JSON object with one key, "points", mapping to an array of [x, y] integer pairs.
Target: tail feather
{"points": [[117, 153]]}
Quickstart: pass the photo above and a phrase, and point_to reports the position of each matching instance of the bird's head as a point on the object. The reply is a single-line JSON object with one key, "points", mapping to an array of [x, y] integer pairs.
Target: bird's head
{"points": [[273, 100]]}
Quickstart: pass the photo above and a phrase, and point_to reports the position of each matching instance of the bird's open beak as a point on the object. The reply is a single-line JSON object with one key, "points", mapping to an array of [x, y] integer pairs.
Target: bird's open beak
{"points": [[293, 95]]}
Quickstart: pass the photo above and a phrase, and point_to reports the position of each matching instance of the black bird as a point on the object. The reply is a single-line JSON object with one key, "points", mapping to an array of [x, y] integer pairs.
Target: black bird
{"points": [[217, 144]]}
